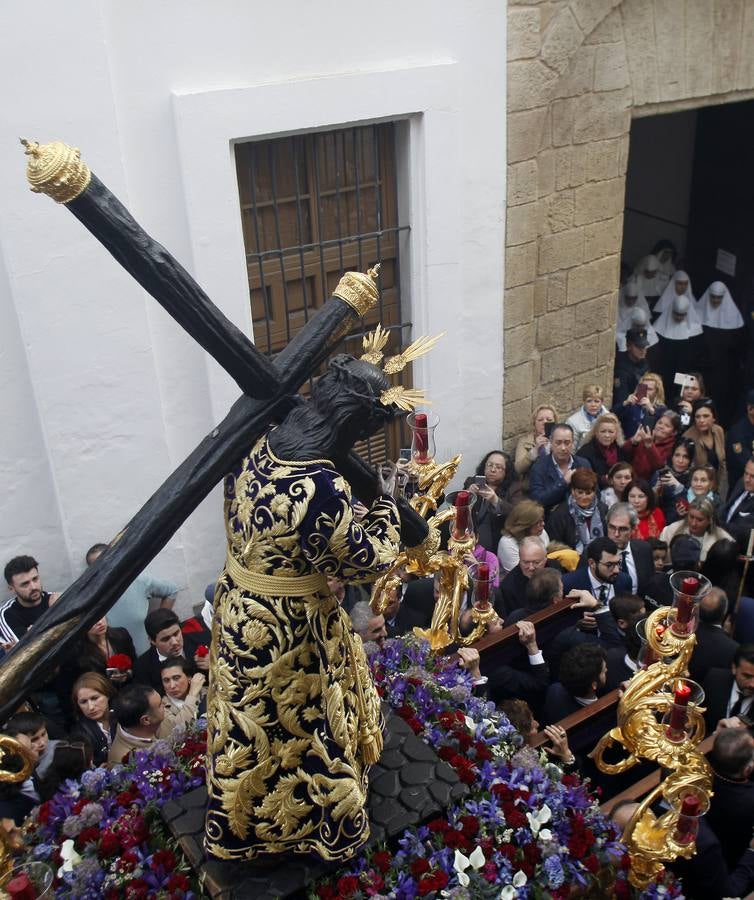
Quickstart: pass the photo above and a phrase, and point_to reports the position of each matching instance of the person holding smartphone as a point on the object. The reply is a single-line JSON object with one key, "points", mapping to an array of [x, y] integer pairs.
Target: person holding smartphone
{"points": [[536, 443], [497, 489]]}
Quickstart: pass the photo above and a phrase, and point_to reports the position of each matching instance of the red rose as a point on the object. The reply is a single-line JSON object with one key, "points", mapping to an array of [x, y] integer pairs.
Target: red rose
{"points": [[348, 885], [178, 882], [109, 844], [382, 860], [419, 866], [120, 661], [201, 651], [164, 858]]}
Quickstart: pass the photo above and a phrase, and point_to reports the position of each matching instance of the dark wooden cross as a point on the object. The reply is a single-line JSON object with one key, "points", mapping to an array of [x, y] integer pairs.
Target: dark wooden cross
{"points": [[269, 392]]}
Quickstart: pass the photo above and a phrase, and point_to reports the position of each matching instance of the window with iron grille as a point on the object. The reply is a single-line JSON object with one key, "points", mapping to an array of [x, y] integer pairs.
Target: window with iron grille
{"points": [[312, 207]]}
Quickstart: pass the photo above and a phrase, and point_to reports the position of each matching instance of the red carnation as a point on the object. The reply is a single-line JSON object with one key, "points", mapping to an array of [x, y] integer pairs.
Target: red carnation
{"points": [[138, 889], [470, 826], [382, 860], [516, 819], [439, 826], [109, 844], [419, 866], [446, 719], [592, 863], [120, 661], [348, 885], [164, 858], [178, 882], [44, 812], [201, 651], [87, 836], [326, 892]]}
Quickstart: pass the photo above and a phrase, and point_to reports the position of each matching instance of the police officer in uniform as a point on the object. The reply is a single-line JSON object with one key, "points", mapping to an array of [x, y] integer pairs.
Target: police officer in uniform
{"points": [[739, 442], [631, 365]]}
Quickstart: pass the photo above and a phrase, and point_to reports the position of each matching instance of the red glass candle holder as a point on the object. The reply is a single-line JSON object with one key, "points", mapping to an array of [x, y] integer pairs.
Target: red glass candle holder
{"points": [[422, 425], [691, 805], [646, 655], [482, 577], [463, 525], [686, 694], [688, 590]]}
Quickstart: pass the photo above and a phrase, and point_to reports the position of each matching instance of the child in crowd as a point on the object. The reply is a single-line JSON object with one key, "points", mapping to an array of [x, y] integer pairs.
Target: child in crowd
{"points": [[34, 727], [185, 697], [659, 554], [586, 415], [619, 477]]}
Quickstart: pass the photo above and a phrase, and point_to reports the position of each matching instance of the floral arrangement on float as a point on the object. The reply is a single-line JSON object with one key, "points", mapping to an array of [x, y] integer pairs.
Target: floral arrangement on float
{"points": [[526, 830], [103, 835]]}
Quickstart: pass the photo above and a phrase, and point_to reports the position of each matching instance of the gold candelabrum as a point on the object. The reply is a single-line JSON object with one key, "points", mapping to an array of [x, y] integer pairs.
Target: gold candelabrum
{"points": [[455, 578], [660, 718], [11, 752]]}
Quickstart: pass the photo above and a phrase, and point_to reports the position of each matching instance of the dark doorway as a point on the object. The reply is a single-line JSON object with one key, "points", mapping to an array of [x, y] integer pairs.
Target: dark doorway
{"points": [[690, 179]]}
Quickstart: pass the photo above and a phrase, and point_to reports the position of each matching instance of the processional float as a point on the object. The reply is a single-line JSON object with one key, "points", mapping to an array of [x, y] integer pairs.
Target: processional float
{"points": [[269, 392]]}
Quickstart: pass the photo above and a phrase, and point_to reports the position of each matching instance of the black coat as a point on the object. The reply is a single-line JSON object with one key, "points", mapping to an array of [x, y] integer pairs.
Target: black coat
{"points": [[419, 596], [526, 682], [562, 527], [708, 875], [641, 554], [89, 659], [717, 685], [743, 519], [90, 731], [559, 703], [597, 461], [731, 815], [406, 619], [714, 649]]}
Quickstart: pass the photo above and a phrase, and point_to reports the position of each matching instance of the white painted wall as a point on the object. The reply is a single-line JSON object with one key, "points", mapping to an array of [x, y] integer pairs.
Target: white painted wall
{"points": [[103, 395]]}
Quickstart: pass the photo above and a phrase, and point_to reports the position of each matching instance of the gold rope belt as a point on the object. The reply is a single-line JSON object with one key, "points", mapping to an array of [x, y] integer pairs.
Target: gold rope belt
{"points": [[275, 585]]}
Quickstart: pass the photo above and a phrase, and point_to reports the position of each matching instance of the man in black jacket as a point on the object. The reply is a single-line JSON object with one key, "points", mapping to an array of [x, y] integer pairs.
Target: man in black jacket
{"points": [[636, 558], [731, 812], [730, 692], [532, 557], [582, 674], [506, 682], [714, 648], [168, 641], [738, 516]]}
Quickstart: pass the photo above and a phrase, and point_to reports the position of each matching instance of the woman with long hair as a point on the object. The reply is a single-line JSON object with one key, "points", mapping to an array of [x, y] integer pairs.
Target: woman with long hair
{"points": [[581, 517], [636, 411], [671, 482], [709, 439], [651, 519], [92, 694], [99, 645], [700, 522], [526, 519], [602, 448], [618, 479], [497, 489], [649, 450]]}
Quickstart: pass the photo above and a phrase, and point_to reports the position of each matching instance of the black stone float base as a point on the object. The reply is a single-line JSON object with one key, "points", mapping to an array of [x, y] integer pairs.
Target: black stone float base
{"points": [[408, 786]]}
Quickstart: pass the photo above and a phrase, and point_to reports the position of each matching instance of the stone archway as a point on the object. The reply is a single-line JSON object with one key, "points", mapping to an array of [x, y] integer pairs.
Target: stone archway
{"points": [[578, 71]]}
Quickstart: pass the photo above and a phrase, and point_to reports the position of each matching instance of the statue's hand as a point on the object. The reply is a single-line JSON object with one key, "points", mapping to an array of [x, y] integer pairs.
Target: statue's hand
{"points": [[386, 478]]}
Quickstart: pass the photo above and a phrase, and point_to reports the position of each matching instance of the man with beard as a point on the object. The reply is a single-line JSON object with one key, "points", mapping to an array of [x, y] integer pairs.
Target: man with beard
{"points": [[30, 600]]}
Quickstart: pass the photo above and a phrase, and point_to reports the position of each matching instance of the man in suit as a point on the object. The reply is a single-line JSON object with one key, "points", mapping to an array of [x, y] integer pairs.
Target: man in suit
{"points": [[582, 674], [739, 442], [636, 559], [167, 642], [506, 682], [714, 648], [731, 812], [400, 617], [532, 557], [730, 692], [550, 476], [602, 577], [738, 516], [140, 712]]}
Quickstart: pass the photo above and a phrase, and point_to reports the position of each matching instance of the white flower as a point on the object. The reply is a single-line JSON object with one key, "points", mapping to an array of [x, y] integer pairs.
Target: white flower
{"points": [[508, 892], [538, 819], [460, 864], [477, 859], [545, 835], [519, 879], [69, 856], [470, 724]]}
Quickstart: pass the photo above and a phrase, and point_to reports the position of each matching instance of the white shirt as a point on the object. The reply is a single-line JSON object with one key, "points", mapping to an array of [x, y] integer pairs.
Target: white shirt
{"points": [[734, 695], [596, 586], [744, 496]]}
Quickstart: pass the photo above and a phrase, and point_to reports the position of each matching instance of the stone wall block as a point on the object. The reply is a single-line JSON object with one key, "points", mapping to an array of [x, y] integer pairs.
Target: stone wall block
{"points": [[593, 279], [522, 182], [699, 30], [608, 31], [603, 159], [519, 381], [579, 78], [570, 167], [603, 238], [606, 352], [602, 115], [561, 40], [523, 33], [557, 290], [727, 29], [516, 420], [745, 70], [589, 13], [670, 48], [521, 225], [525, 133], [611, 67], [561, 250], [558, 211], [519, 344], [563, 115], [529, 84], [564, 362], [520, 267], [555, 328], [546, 172], [599, 200], [593, 315], [540, 296], [638, 16], [518, 308], [554, 394]]}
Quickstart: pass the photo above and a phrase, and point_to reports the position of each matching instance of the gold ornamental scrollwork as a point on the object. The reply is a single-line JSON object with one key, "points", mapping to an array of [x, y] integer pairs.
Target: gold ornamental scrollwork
{"points": [[11, 749], [359, 290], [643, 735], [56, 169]]}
